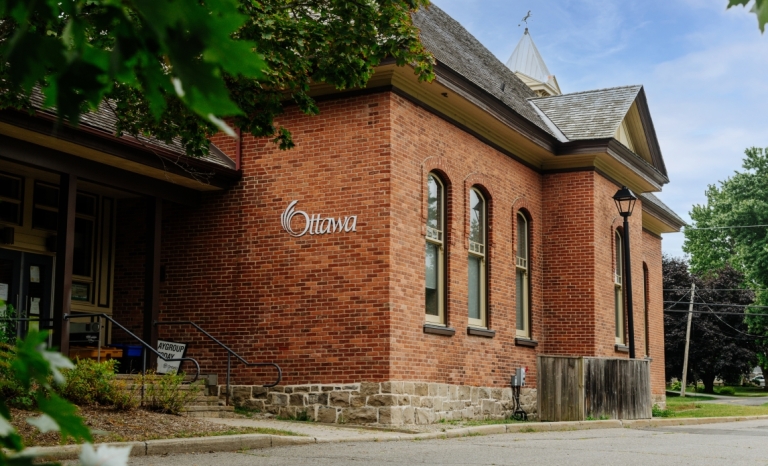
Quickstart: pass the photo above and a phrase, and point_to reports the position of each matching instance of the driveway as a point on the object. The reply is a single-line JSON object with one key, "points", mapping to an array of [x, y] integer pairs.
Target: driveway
{"points": [[731, 444]]}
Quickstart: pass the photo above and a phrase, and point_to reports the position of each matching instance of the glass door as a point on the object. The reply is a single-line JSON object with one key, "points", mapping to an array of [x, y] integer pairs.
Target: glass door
{"points": [[10, 292], [37, 289]]}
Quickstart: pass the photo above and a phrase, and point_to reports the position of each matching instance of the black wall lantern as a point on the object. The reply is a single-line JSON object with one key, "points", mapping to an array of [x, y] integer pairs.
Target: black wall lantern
{"points": [[625, 201]]}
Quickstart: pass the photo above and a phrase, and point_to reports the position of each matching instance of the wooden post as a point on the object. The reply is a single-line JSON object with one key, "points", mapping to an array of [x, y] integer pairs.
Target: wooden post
{"points": [[687, 342], [65, 246], [152, 271]]}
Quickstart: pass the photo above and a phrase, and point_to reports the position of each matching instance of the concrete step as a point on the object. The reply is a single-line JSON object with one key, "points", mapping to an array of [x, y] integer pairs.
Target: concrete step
{"points": [[209, 411]]}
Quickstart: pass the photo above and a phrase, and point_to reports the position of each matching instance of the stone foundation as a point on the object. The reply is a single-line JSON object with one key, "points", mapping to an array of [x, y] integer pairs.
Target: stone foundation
{"points": [[389, 403], [659, 400]]}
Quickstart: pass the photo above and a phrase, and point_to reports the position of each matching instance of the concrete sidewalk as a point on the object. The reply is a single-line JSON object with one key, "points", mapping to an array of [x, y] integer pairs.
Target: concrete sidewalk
{"points": [[327, 433]]}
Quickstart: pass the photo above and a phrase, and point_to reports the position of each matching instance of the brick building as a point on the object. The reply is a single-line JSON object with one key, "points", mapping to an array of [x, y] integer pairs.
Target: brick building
{"points": [[420, 242]]}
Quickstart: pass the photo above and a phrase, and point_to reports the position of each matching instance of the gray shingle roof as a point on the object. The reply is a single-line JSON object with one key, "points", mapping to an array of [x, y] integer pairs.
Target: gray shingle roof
{"points": [[591, 114], [457, 49], [672, 217]]}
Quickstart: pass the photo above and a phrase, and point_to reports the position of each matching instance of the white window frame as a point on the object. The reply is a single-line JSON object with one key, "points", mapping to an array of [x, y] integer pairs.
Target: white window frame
{"points": [[480, 250], [618, 289], [437, 237], [522, 265]]}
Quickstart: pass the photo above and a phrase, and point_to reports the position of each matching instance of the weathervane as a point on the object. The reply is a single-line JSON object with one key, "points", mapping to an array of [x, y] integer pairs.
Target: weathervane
{"points": [[525, 20]]}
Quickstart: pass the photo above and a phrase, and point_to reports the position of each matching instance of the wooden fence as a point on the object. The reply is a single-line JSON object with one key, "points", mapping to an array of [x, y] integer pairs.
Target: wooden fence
{"points": [[577, 388]]}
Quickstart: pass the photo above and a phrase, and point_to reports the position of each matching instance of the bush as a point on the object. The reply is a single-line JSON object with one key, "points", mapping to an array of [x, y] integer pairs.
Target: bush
{"points": [[726, 391], [166, 393], [10, 388], [675, 386], [93, 383], [658, 412]]}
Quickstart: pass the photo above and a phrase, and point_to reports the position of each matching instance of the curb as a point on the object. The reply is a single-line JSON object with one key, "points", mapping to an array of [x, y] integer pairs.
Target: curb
{"points": [[260, 441]]}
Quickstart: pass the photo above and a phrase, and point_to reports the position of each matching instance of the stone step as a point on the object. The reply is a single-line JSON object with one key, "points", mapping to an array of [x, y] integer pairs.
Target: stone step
{"points": [[209, 411]]}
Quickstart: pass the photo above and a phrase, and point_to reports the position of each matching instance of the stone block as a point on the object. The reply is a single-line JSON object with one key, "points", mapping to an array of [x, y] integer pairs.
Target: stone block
{"points": [[279, 399], [365, 415], [391, 416], [338, 399], [408, 415], [277, 389], [424, 416], [272, 409], [260, 393], [394, 388], [325, 414], [465, 392], [298, 399], [317, 399], [432, 389], [474, 396], [468, 413], [301, 389], [369, 388], [351, 387], [383, 400], [491, 408], [326, 388], [415, 401], [404, 400], [496, 394], [240, 393], [442, 390], [254, 404], [314, 388], [357, 401], [421, 389], [484, 393], [453, 392], [408, 388], [506, 394]]}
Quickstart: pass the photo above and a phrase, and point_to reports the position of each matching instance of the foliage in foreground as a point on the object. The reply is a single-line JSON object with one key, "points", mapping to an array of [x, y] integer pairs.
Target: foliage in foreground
{"points": [[166, 393], [37, 371], [759, 8], [178, 68]]}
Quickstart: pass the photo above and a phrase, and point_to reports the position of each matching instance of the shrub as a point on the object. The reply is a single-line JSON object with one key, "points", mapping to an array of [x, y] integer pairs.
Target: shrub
{"points": [[675, 386], [93, 383], [167, 393], [10, 388], [658, 412], [726, 391]]}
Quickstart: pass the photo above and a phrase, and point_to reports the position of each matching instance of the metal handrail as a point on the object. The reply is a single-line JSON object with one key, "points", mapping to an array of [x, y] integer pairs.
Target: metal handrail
{"points": [[230, 353], [143, 343]]}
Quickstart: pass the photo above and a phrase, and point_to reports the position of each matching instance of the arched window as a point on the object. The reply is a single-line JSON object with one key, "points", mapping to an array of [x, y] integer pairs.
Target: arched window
{"points": [[478, 264], [435, 252], [522, 267], [618, 290]]}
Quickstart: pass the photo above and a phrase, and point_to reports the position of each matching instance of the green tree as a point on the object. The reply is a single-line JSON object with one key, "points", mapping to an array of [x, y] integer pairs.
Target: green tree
{"points": [[759, 8], [178, 68], [732, 229], [719, 345]]}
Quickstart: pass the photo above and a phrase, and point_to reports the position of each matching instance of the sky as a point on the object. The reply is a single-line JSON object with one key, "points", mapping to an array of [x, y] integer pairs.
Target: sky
{"points": [[704, 69]]}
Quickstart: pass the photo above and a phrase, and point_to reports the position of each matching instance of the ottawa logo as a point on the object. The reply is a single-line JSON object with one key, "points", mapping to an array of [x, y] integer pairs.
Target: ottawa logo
{"points": [[315, 224]]}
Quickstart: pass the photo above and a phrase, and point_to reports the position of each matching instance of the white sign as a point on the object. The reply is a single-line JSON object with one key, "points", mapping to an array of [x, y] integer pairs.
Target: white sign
{"points": [[315, 224], [170, 350]]}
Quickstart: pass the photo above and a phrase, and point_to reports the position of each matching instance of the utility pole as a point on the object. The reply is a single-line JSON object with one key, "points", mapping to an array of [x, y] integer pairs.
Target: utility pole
{"points": [[687, 341]]}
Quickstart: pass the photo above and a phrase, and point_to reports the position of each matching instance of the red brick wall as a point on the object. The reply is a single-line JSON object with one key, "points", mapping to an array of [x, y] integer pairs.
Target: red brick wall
{"points": [[318, 305], [421, 142], [652, 259]]}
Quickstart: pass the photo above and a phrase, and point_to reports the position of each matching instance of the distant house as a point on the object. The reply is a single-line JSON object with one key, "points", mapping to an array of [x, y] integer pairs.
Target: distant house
{"points": [[420, 243]]}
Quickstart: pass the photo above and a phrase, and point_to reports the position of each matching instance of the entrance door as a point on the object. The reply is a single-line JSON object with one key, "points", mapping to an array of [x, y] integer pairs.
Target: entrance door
{"points": [[26, 284]]}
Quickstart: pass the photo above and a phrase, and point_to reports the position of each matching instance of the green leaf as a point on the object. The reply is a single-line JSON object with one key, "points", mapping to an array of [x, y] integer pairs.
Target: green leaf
{"points": [[65, 415]]}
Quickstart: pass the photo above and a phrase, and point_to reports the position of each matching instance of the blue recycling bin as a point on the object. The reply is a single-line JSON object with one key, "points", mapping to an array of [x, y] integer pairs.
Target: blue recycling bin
{"points": [[130, 363]]}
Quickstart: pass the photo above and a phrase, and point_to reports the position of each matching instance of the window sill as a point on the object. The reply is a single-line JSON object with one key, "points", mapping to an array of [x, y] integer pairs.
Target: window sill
{"points": [[439, 330], [481, 332], [622, 348], [519, 341]]}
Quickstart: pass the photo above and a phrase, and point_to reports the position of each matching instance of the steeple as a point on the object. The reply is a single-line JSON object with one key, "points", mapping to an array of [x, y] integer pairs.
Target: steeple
{"points": [[528, 65]]}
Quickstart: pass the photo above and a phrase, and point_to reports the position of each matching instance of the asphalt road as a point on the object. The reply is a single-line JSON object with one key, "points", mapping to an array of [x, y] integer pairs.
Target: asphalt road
{"points": [[725, 444]]}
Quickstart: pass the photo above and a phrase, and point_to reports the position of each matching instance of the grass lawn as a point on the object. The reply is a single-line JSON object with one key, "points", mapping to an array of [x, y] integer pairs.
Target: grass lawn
{"points": [[748, 391], [691, 406]]}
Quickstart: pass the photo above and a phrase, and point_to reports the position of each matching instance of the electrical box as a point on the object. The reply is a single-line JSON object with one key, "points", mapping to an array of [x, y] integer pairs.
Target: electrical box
{"points": [[518, 380]]}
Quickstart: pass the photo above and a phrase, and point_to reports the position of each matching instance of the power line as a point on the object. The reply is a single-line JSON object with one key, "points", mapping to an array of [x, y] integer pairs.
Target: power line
{"points": [[722, 305], [723, 313], [722, 228], [726, 323]]}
